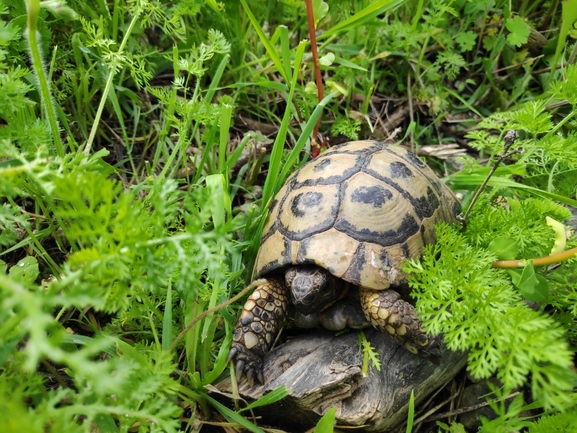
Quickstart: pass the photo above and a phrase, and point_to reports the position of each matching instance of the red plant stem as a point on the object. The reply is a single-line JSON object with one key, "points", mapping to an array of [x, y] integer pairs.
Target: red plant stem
{"points": [[315, 148]]}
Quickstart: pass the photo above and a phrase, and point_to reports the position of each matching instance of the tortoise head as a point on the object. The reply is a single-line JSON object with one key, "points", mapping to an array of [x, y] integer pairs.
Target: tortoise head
{"points": [[313, 288]]}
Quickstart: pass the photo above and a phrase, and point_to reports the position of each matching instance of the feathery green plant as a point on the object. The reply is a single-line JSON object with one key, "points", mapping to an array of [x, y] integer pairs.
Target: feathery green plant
{"points": [[145, 255], [114, 260], [560, 422], [482, 309]]}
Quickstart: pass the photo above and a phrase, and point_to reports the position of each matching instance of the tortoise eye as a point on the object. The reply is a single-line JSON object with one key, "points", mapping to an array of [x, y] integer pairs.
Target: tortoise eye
{"points": [[289, 276]]}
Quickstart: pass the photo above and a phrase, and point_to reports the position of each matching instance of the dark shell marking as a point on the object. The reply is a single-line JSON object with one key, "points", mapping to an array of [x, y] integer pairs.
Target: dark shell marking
{"points": [[358, 210], [302, 202], [400, 169], [375, 195]]}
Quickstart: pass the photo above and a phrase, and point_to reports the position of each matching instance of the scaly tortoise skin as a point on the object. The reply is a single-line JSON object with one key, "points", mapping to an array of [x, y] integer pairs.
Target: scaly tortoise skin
{"points": [[351, 216]]}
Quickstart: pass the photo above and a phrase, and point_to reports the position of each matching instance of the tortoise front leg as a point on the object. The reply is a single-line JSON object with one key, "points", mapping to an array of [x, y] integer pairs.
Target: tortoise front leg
{"points": [[257, 326], [386, 311]]}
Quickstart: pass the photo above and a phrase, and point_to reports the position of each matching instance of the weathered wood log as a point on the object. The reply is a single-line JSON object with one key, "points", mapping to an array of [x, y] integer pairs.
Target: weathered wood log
{"points": [[321, 370]]}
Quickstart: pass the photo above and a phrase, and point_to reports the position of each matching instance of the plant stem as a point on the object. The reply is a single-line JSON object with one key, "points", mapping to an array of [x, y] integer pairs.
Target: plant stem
{"points": [[212, 310], [510, 138], [33, 10], [362, 340], [560, 124], [539, 261], [113, 68], [316, 149]]}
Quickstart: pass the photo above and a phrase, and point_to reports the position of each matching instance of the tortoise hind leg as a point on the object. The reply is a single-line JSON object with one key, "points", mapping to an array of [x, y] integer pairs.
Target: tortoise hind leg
{"points": [[386, 311], [257, 326]]}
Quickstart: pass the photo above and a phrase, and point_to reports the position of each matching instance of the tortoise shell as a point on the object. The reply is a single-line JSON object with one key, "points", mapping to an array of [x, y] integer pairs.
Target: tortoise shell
{"points": [[358, 210]]}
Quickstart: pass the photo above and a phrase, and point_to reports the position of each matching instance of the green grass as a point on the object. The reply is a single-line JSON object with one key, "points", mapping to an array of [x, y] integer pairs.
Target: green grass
{"points": [[133, 194]]}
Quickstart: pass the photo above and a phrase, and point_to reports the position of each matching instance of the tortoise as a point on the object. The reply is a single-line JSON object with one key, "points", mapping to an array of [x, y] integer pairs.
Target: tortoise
{"points": [[349, 217]]}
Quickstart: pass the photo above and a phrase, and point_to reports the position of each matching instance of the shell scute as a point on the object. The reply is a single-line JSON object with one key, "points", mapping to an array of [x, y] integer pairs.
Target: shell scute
{"points": [[418, 189], [389, 223], [338, 257], [308, 210]]}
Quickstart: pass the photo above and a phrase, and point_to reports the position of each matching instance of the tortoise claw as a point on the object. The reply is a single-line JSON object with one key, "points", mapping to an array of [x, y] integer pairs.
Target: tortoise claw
{"points": [[246, 363], [231, 354], [250, 377], [239, 369], [432, 352]]}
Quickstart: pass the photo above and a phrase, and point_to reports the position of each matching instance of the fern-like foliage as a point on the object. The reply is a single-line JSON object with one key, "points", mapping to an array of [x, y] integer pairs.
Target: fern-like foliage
{"points": [[549, 157], [558, 423], [348, 127], [478, 310], [128, 248], [520, 220]]}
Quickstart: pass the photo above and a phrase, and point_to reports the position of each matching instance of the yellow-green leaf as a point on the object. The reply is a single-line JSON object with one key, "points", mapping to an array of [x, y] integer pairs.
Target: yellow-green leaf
{"points": [[560, 235]]}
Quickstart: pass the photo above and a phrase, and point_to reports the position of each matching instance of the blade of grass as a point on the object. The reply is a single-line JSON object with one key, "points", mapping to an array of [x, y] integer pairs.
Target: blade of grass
{"points": [[197, 397], [269, 398], [275, 158], [362, 17], [285, 47], [417, 16], [464, 180], [59, 112], [304, 137], [274, 180], [237, 152], [221, 359], [269, 85], [270, 49], [568, 17], [465, 103], [33, 10], [108, 86], [119, 114], [327, 423], [215, 79], [215, 6], [231, 415], [224, 127], [411, 414]]}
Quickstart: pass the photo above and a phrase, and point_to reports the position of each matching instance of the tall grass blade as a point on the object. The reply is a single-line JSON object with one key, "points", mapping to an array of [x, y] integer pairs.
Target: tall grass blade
{"points": [[327, 423], [224, 124], [33, 10], [362, 17], [273, 180], [269, 398], [568, 17], [305, 135], [464, 180], [270, 49], [232, 416], [411, 414], [215, 79]]}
